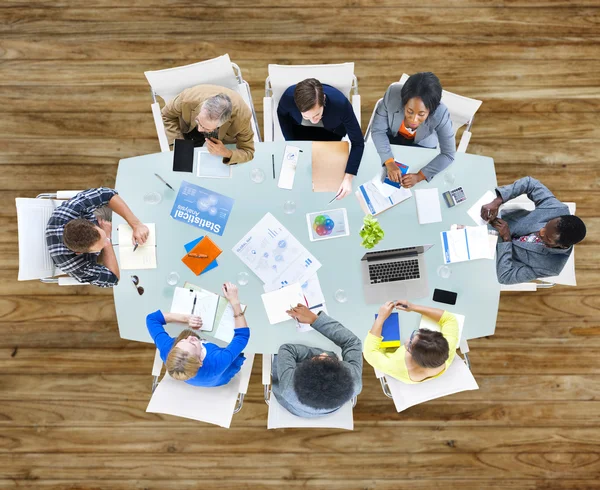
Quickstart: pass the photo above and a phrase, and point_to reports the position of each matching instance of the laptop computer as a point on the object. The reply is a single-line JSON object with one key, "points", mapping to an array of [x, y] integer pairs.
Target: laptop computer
{"points": [[397, 273]]}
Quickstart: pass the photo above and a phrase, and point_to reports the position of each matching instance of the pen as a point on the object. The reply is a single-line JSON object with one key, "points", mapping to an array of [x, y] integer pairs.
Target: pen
{"points": [[164, 181], [136, 246], [273, 162], [198, 256], [335, 197], [297, 322], [194, 305]]}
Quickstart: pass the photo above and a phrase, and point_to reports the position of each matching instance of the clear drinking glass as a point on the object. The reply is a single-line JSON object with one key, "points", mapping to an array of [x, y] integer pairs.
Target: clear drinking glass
{"points": [[257, 175], [340, 296], [173, 278], [444, 271], [152, 197], [449, 178], [243, 278], [289, 207]]}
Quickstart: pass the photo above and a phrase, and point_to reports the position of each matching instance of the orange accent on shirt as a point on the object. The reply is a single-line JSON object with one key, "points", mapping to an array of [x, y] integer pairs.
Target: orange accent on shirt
{"points": [[405, 132]]}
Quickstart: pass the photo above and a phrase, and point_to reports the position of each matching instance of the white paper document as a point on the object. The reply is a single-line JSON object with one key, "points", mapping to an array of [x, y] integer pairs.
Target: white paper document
{"points": [[429, 324], [475, 211], [212, 166], [279, 301], [275, 255], [428, 206], [145, 255], [469, 243], [199, 303], [288, 167], [373, 201], [226, 327]]}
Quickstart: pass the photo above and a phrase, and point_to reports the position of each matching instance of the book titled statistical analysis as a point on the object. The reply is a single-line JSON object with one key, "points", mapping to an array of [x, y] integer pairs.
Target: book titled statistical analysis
{"points": [[202, 208]]}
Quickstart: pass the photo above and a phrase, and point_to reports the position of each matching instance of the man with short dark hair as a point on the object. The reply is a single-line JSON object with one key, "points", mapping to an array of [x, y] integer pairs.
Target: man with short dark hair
{"points": [[77, 238], [310, 382], [533, 244], [214, 116]]}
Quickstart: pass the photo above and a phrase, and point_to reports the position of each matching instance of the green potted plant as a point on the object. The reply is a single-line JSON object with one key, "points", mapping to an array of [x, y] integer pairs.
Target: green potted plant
{"points": [[371, 232]]}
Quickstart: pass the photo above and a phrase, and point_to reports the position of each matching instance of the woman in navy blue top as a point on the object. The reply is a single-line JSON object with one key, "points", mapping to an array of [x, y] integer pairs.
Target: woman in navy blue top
{"points": [[192, 360], [311, 111]]}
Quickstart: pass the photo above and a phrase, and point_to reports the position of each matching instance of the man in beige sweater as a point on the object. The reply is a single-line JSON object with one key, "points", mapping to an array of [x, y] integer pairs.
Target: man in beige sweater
{"points": [[213, 114]]}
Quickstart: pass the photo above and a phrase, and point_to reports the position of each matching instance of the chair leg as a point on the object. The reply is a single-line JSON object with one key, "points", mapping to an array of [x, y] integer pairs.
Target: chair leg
{"points": [[239, 404], [468, 360], [385, 387], [154, 383], [267, 393]]}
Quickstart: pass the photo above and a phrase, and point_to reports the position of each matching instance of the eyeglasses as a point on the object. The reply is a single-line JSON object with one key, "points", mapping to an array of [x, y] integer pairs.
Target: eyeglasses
{"points": [[410, 341], [136, 281]]}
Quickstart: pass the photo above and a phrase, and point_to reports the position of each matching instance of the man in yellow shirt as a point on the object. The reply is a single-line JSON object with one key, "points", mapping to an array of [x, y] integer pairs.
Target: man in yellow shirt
{"points": [[427, 354]]}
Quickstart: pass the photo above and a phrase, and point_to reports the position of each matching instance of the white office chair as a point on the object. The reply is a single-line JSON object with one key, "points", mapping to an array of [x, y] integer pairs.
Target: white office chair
{"points": [[170, 82], [462, 111], [280, 418], [340, 76], [457, 378], [32, 217], [215, 405], [566, 276]]}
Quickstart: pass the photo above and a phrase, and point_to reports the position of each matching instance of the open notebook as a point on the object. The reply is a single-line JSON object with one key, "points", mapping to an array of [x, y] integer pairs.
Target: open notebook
{"points": [[199, 302], [145, 255]]}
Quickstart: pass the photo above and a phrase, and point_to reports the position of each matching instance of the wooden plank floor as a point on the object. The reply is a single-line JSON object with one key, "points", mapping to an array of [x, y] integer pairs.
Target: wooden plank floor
{"points": [[74, 101]]}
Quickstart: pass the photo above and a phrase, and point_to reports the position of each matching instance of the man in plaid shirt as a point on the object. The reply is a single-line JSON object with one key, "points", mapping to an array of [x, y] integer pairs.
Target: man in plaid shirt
{"points": [[79, 242]]}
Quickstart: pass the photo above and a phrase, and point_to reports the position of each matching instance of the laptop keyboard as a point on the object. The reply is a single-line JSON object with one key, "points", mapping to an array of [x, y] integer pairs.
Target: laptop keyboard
{"points": [[394, 271]]}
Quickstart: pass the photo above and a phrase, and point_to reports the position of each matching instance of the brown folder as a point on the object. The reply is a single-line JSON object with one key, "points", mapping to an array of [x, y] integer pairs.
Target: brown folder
{"points": [[329, 159]]}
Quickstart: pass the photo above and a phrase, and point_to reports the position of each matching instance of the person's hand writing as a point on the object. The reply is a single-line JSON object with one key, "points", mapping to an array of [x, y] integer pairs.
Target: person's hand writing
{"points": [[385, 310], [345, 187], [489, 211], [216, 147], [503, 229], [230, 291], [194, 322], [403, 305], [302, 314], [140, 234], [393, 172], [409, 180]]}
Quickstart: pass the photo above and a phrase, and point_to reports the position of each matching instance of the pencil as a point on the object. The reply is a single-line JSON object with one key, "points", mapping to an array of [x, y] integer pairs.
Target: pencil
{"points": [[198, 256], [273, 162]]}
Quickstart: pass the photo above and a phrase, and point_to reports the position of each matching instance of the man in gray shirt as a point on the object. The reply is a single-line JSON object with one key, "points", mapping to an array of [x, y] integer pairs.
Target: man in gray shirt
{"points": [[533, 244], [309, 382]]}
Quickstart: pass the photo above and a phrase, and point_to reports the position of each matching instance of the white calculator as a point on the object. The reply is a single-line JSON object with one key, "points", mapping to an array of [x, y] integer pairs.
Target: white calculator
{"points": [[454, 197]]}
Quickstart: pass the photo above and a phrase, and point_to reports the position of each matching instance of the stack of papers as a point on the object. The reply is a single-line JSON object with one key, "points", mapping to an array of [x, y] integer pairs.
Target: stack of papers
{"points": [[468, 243], [281, 261], [288, 167], [212, 166], [428, 206], [145, 255], [376, 197]]}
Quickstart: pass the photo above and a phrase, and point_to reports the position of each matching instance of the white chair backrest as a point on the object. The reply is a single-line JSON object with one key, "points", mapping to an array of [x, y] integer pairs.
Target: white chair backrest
{"points": [[211, 405], [32, 217], [339, 76], [457, 378], [280, 418], [462, 109], [172, 81]]}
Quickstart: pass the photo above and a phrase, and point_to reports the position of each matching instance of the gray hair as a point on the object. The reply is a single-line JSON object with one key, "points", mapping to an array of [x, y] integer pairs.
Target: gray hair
{"points": [[217, 108]]}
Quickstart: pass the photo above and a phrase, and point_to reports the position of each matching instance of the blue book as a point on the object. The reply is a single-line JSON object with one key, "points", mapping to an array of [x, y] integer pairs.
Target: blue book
{"points": [[192, 244], [202, 208], [391, 331], [403, 170]]}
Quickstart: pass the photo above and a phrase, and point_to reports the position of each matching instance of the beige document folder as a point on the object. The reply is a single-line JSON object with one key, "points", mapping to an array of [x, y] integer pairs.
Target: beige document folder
{"points": [[329, 159]]}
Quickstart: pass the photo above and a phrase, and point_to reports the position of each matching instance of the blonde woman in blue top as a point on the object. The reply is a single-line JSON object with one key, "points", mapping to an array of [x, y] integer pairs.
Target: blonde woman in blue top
{"points": [[197, 362]]}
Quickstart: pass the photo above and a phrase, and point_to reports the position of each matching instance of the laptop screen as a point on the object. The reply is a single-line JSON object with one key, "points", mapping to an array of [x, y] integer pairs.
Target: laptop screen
{"points": [[396, 252]]}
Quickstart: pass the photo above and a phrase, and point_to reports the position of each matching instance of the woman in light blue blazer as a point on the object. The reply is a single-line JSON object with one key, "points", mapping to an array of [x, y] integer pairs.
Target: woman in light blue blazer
{"points": [[413, 115]]}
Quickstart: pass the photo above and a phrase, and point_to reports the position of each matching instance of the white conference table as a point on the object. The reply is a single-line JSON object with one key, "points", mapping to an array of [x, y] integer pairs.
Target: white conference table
{"points": [[475, 281]]}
